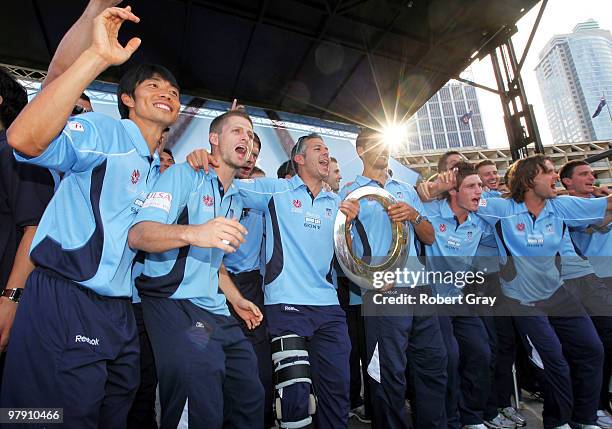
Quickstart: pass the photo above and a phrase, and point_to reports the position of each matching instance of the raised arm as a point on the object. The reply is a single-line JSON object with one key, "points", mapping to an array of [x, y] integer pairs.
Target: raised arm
{"points": [[46, 115], [76, 40]]}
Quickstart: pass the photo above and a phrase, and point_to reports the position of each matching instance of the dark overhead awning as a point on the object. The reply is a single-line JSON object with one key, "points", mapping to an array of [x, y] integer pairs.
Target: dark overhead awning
{"points": [[347, 60]]}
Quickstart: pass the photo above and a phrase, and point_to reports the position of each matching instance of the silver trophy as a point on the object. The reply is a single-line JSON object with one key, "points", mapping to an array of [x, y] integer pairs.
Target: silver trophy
{"points": [[359, 272]]}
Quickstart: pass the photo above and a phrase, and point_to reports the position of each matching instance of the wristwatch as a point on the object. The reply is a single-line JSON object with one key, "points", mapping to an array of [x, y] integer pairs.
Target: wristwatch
{"points": [[417, 220], [13, 294]]}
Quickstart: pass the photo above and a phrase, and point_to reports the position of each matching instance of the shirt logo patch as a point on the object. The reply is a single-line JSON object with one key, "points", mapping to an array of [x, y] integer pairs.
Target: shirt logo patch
{"points": [[297, 204], [290, 308], [469, 235], [549, 228], [76, 126], [442, 227], [135, 176], [159, 200], [482, 202], [400, 195], [208, 201], [84, 339], [328, 212], [520, 226]]}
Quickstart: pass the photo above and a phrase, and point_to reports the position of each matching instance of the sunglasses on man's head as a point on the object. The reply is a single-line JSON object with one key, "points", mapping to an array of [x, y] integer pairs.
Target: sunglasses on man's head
{"points": [[78, 110]]}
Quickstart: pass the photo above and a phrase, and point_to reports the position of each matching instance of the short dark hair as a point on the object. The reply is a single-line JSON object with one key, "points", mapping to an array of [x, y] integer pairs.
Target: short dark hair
{"points": [[169, 152], [567, 171], [298, 147], [85, 97], [134, 76], [286, 168], [485, 162], [463, 170], [14, 98], [443, 158], [256, 140], [365, 136], [332, 159], [523, 173], [217, 124]]}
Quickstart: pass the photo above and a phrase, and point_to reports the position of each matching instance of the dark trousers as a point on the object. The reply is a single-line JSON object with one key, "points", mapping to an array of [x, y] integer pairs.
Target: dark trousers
{"points": [[596, 298], [502, 342], [203, 360], [250, 285], [72, 349], [328, 346], [358, 361], [142, 415], [469, 369], [395, 342], [560, 337]]}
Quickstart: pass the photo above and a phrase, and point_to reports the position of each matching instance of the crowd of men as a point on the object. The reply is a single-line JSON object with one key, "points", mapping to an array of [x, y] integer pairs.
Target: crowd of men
{"points": [[124, 274]]}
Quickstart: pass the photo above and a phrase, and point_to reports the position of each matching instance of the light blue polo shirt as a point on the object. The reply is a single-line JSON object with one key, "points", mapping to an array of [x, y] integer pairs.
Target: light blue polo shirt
{"points": [[491, 194], [532, 275], [185, 197], [372, 230], [299, 240], [596, 245], [572, 265], [82, 235], [455, 245], [247, 256]]}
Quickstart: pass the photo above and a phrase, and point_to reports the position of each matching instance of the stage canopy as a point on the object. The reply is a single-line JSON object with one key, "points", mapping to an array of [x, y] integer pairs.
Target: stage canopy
{"points": [[343, 60]]}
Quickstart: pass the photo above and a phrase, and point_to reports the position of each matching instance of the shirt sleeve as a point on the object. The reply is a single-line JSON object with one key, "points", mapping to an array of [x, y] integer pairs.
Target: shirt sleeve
{"points": [[492, 209], [256, 193], [577, 211], [77, 148], [414, 200], [169, 196]]}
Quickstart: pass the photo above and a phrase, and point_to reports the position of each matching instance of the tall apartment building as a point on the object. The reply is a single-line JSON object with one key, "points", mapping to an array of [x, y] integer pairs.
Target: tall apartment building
{"points": [[573, 73], [444, 121]]}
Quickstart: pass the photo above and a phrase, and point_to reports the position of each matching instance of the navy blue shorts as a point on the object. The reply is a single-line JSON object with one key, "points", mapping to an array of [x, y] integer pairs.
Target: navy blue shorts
{"points": [[71, 348], [205, 361]]}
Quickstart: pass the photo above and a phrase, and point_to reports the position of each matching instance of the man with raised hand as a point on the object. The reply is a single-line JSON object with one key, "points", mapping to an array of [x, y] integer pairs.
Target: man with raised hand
{"points": [[413, 338], [78, 298]]}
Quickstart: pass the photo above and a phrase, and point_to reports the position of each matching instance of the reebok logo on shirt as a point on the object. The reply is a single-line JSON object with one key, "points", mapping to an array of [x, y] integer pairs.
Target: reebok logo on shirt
{"points": [[84, 339], [290, 308]]}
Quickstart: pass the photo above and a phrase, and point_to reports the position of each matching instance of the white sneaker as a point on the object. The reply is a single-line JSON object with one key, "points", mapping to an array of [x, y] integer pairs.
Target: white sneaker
{"points": [[500, 422], [604, 419], [565, 426], [480, 426], [514, 415], [584, 426]]}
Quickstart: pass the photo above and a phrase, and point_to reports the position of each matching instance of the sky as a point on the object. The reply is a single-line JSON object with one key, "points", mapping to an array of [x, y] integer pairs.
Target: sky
{"points": [[560, 16]]}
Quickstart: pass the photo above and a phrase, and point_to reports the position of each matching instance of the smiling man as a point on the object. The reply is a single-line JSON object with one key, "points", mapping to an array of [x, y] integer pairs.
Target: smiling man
{"points": [[78, 297], [487, 171]]}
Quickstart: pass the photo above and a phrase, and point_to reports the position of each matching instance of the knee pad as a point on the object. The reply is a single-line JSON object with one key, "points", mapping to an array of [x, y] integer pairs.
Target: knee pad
{"points": [[291, 366]]}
